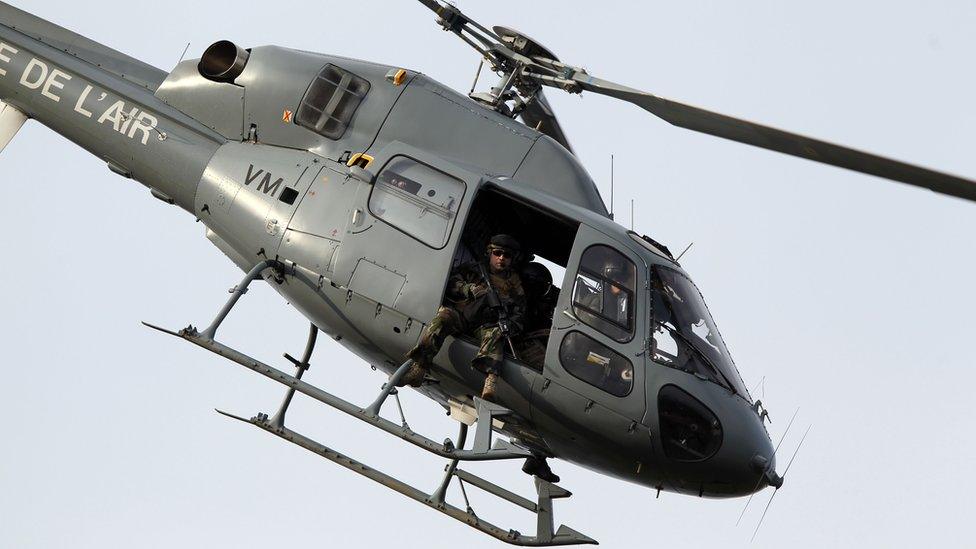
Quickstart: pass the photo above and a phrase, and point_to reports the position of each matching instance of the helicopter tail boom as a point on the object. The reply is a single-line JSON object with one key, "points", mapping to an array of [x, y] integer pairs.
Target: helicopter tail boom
{"points": [[76, 87], [94, 53]]}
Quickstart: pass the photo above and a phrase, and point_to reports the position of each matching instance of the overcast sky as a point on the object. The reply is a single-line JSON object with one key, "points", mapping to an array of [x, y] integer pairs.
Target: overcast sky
{"points": [[851, 295]]}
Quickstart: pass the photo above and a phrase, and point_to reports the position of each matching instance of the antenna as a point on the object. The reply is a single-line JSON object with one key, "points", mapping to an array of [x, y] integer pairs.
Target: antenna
{"points": [[184, 53], [683, 253], [611, 185], [632, 214], [762, 383]]}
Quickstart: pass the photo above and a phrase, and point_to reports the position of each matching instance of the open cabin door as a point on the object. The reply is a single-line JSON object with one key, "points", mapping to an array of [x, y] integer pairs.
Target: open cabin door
{"points": [[595, 357]]}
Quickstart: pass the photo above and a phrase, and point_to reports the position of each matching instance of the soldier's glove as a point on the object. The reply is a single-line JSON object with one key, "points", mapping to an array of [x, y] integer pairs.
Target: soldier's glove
{"points": [[474, 291]]}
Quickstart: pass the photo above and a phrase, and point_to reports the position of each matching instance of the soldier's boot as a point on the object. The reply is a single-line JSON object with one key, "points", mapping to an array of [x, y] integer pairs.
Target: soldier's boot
{"points": [[418, 368], [539, 467], [415, 375], [488, 391]]}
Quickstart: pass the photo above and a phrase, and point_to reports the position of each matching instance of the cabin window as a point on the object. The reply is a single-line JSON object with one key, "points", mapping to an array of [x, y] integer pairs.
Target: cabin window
{"points": [[603, 295], [596, 364], [417, 199], [330, 101]]}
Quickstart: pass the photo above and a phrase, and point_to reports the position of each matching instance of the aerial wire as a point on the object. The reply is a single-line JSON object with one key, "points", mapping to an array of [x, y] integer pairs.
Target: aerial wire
{"points": [[762, 476], [770, 502]]}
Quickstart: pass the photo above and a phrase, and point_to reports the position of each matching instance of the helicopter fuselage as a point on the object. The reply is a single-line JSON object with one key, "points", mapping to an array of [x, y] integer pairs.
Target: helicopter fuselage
{"points": [[370, 195]]}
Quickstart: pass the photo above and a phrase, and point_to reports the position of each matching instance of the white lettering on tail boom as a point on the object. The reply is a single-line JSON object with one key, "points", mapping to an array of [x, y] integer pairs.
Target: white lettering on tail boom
{"points": [[52, 83]]}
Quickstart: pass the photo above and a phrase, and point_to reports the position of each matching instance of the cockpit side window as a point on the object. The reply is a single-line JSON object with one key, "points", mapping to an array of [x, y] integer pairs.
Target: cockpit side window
{"points": [[603, 295], [596, 364], [330, 101]]}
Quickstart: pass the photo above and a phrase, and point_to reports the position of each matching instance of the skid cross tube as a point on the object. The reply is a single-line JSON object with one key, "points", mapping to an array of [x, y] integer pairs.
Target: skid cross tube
{"points": [[440, 494], [388, 389], [237, 292], [301, 366]]}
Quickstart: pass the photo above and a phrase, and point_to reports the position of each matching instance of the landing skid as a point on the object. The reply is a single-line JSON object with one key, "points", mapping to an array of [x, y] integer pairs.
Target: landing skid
{"points": [[482, 450]]}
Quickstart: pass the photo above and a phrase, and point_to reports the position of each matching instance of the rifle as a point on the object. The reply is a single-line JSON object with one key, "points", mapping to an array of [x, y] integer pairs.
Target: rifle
{"points": [[495, 303]]}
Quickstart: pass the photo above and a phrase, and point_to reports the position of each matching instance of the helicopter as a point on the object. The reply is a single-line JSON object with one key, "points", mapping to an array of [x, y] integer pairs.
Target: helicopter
{"points": [[139, 127]]}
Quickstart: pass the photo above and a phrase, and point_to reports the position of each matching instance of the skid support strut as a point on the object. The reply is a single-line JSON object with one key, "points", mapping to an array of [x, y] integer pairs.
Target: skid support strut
{"points": [[482, 449], [301, 366]]}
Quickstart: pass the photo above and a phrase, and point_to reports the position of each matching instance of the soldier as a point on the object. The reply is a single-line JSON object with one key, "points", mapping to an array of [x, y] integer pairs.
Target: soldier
{"points": [[472, 313], [541, 297]]}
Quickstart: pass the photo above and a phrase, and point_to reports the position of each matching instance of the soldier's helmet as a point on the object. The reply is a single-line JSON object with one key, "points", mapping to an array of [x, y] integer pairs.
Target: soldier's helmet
{"points": [[536, 276], [504, 242], [616, 272]]}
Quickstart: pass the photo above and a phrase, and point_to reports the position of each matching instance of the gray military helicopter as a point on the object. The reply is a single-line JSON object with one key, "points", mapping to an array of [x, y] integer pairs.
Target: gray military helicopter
{"points": [[329, 179]]}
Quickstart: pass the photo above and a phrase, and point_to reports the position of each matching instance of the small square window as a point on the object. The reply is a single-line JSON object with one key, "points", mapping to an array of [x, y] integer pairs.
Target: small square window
{"points": [[288, 195]]}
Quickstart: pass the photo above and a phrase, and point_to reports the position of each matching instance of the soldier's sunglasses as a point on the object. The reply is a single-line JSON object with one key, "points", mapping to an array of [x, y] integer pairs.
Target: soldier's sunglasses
{"points": [[502, 253]]}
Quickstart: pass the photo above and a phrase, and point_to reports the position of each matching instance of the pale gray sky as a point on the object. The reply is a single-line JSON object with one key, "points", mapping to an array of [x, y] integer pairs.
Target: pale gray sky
{"points": [[850, 294]]}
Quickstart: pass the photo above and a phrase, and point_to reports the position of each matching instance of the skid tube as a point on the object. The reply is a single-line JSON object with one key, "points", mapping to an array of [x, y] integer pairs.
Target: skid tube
{"points": [[482, 449], [545, 537]]}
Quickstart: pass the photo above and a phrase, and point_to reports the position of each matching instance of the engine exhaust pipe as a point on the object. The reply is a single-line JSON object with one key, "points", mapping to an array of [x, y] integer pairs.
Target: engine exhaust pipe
{"points": [[223, 61]]}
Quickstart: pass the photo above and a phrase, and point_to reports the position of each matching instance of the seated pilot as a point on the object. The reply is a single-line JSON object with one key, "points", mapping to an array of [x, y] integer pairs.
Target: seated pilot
{"points": [[604, 298]]}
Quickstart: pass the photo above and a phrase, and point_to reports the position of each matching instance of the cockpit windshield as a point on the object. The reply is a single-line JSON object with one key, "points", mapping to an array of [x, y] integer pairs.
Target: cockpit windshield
{"points": [[684, 335]]}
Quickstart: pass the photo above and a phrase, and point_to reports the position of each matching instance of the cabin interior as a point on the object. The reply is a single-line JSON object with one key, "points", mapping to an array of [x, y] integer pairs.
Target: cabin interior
{"points": [[545, 237]]}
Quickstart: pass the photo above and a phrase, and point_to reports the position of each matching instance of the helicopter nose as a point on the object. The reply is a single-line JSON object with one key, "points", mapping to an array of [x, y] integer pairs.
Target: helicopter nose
{"points": [[766, 467], [762, 465], [716, 443]]}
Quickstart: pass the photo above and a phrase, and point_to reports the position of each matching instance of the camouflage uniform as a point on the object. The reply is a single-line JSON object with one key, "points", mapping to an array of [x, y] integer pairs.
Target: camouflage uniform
{"points": [[471, 315]]}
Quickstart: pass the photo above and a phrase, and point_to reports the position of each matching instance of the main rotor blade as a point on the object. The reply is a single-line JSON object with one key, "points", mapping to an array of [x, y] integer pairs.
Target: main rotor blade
{"points": [[433, 5], [743, 131], [538, 114]]}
